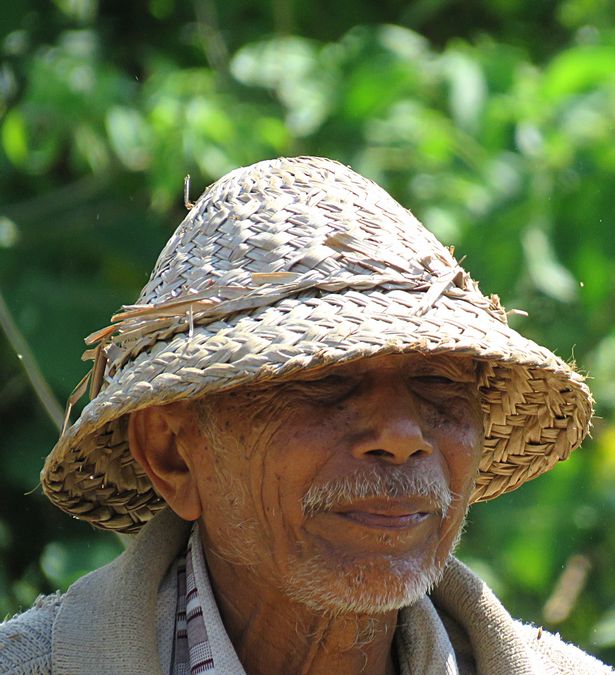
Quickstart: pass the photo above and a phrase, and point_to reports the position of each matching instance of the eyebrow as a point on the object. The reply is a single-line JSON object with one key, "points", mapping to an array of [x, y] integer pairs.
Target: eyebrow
{"points": [[460, 365], [320, 372]]}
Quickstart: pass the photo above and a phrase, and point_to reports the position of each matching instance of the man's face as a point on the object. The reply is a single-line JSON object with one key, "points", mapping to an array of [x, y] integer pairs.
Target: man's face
{"points": [[347, 487]]}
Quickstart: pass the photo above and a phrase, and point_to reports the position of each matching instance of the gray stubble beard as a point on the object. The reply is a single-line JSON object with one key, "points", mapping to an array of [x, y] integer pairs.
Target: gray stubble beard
{"points": [[344, 589]]}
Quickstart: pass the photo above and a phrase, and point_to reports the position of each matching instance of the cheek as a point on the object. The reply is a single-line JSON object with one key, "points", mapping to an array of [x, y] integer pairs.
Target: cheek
{"points": [[287, 472], [296, 458], [465, 458], [461, 445], [461, 451], [223, 489]]}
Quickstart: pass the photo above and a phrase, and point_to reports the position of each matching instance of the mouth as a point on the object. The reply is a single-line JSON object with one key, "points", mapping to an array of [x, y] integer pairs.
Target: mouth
{"points": [[388, 514]]}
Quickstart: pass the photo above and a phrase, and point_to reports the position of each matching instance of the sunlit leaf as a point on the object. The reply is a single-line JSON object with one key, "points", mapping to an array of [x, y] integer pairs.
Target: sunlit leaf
{"points": [[81, 10], [467, 88], [64, 562], [9, 234], [14, 137], [603, 633], [601, 364], [129, 136], [294, 69], [547, 273], [576, 70]]}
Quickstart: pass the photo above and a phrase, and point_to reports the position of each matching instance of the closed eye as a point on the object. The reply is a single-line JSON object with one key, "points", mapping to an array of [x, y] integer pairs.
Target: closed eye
{"points": [[331, 381], [329, 389], [433, 379]]}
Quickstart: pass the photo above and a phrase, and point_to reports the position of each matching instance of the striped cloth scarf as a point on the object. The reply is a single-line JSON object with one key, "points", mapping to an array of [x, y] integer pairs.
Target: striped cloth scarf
{"points": [[192, 651]]}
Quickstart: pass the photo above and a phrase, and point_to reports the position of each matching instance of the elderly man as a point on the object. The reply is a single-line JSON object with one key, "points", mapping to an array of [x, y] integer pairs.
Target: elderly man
{"points": [[317, 391]]}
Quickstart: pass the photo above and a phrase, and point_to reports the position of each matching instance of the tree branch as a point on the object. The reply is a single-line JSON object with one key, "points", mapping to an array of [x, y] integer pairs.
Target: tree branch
{"points": [[40, 385]]}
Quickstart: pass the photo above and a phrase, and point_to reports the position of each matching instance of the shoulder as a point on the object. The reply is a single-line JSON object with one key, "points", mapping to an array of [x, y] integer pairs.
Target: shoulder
{"points": [[25, 639], [491, 636], [561, 656]]}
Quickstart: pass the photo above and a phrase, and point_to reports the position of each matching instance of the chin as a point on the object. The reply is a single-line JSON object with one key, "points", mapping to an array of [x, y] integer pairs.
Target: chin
{"points": [[365, 587]]}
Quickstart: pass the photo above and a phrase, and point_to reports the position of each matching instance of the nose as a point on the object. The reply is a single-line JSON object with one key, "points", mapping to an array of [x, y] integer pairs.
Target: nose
{"points": [[392, 425]]}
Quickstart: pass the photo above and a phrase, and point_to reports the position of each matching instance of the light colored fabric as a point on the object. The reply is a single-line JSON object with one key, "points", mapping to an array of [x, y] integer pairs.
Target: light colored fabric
{"points": [[423, 645], [494, 635], [25, 640], [113, 622], [165, 619], [106, 621], [499, 643]]}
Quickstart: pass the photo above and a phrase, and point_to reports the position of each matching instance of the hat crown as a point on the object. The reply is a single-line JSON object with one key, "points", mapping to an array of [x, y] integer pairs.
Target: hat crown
{"points": [[296, 219]]}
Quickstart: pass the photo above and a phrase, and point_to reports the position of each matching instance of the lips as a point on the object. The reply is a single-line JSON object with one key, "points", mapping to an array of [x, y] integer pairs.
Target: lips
{"points": [[389, 522], [387, 513]]}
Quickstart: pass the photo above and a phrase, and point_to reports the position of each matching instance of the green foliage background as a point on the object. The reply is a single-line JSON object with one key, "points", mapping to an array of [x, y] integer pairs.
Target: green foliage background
{"points": [[493, 120]]}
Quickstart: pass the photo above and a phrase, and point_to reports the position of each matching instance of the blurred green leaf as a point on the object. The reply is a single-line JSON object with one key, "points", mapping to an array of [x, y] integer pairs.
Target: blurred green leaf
{"points": [[80, 10], [129, 136], [14, 137], [602, 368], [9, 234], [295, 69], [546, 272], [468, 89], [603, 633], [576, 70], [64, 562]]}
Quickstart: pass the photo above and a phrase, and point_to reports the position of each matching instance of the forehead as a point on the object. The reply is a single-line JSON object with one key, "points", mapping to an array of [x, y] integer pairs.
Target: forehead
{"points": [[459, 367]]}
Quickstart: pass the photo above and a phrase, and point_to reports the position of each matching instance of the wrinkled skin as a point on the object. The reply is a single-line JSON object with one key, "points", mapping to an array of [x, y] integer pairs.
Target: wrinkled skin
{"points": [[314, 586]]}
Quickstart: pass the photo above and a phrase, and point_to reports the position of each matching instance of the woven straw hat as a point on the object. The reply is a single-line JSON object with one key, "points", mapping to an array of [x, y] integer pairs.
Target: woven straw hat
{"points": [[293, 264]]}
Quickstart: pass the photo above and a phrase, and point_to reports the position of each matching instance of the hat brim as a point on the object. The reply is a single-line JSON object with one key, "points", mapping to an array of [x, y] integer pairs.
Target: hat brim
{"points": [[536, 408]]}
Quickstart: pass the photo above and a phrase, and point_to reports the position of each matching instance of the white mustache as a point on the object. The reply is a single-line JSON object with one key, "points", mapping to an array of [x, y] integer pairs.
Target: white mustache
{"points": [[377, 481]]}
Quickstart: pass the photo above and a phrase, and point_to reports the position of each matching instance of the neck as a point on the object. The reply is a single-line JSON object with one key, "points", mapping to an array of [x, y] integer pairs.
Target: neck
{"points": [[273, 634]]}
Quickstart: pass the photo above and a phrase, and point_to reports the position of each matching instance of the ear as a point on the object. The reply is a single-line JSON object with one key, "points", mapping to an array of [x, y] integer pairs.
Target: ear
{"points": [[158, 439]]}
